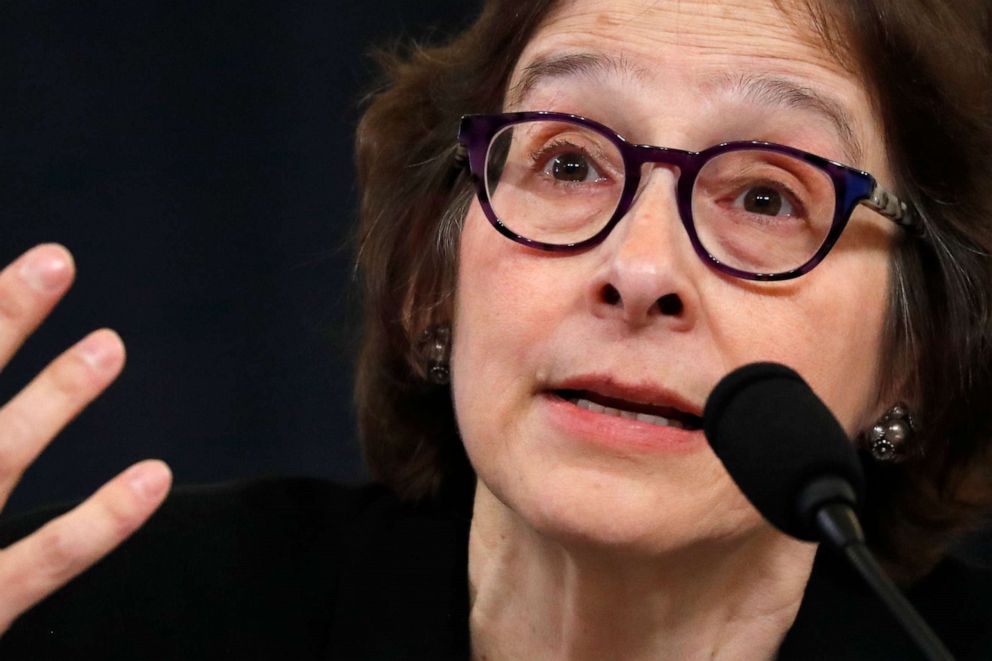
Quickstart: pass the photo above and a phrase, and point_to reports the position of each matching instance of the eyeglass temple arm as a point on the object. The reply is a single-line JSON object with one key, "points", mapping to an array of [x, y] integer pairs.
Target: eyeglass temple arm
{"points": [[460, 156], [891, 207]]}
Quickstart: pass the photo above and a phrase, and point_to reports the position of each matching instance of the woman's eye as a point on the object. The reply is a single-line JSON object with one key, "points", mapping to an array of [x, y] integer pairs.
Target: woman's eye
{"points": [[765, 201], [572, 167]]}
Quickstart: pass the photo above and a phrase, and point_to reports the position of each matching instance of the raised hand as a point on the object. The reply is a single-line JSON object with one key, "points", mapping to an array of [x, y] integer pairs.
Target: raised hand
{"points": [[39, 564]]}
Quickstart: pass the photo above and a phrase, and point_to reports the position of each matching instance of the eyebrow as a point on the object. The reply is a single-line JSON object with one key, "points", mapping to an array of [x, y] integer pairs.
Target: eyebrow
{"points": [[569, 65], [764, 90], [774, 91]]}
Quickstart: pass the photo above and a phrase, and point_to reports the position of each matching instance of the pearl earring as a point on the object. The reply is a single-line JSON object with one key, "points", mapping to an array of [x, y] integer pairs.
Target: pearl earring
{"points": [[888, 437], [435, 348]]}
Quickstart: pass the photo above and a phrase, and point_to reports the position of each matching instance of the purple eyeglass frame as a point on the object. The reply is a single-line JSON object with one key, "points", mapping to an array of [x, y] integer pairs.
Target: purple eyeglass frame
{"points": [[852, 186]]}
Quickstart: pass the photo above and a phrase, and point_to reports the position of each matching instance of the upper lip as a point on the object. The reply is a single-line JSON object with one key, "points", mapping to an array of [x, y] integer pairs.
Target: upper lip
{"points": [[639, 392]]}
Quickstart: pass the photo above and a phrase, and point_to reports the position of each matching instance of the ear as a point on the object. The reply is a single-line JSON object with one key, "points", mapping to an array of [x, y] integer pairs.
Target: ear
{"points": [[428, 305], [429, 300]]}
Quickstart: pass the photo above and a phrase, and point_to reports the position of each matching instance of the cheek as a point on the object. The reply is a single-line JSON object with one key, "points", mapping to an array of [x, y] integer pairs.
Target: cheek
{"points": [[494, 299], [846, 367], [830, 330], [850, 335], [503, 305]]}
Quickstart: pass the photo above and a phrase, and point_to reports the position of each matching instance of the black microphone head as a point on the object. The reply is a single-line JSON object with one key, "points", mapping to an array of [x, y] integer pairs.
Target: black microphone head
{"points": [[776, 437]]}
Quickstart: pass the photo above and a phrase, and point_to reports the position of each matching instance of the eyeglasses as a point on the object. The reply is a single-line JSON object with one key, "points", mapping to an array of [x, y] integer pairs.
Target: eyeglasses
{"points": [[754, 210]]}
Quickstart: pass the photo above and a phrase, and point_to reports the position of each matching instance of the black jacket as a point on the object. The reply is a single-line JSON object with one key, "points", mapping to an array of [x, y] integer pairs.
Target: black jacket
{"points": [[306, 569]]}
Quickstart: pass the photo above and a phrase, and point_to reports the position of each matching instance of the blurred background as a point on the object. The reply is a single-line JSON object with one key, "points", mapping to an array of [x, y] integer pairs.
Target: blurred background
{"points": [[196, 158]]}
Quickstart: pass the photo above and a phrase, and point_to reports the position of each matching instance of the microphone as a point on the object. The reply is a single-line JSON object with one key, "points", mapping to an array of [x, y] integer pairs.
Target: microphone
{"points": [[782, 446], [791, 458]]}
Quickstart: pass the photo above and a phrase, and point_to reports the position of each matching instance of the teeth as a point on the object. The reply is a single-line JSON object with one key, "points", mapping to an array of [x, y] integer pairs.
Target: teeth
{"points": [[630, 415], [658, 420], [593, 406]]}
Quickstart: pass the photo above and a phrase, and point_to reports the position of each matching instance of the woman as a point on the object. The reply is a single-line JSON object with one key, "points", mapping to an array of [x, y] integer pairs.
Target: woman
{"points": [[584, 297]]}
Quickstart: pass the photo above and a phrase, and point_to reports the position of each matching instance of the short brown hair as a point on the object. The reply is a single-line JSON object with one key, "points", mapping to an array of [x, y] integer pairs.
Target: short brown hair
{"points": [[928, 68]]}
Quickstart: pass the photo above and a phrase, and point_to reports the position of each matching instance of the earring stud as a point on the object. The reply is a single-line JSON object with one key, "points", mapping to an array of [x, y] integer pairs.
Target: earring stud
{"points": [[888, 437], [435, 348]]}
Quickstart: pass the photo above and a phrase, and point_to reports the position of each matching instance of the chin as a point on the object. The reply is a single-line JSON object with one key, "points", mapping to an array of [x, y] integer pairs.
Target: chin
{"points": [[603, 513]]}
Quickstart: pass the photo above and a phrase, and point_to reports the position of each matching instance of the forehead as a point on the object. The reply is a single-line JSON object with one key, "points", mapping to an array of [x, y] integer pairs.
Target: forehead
{"points": [[692, 51], [773, 34]]}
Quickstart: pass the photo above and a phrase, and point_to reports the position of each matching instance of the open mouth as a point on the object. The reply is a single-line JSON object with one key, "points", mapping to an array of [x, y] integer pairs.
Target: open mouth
{"points": [[662, 416]]}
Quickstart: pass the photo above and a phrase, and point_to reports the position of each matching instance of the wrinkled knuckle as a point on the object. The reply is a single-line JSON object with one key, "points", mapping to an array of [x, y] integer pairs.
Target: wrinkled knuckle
{"points": [[16, 431], [121, 521], [60, 556], [10, 460], [15, 436], [11, 308], [73, 377]]}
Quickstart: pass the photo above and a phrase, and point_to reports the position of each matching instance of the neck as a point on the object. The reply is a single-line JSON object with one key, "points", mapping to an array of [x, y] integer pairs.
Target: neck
{"points": [[533, 597]]}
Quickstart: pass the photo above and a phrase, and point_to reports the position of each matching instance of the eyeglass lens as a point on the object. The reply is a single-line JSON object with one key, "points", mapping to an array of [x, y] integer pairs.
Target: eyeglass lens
{"points": [[756, 210]]}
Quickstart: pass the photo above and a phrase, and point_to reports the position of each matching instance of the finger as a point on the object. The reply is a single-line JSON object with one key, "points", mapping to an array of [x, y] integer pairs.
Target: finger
{"points": [[30, 420], [29, 288], [39, 564]]}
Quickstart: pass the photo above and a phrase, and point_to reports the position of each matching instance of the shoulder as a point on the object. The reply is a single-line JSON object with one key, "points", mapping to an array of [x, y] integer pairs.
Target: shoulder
{"points": [[252, 567], [202, 524], [956, 600], [266, 499], [840, 617]]}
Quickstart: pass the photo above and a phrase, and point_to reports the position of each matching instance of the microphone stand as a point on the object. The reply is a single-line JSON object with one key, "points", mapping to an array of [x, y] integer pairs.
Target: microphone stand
{"points": [[841, 529]]}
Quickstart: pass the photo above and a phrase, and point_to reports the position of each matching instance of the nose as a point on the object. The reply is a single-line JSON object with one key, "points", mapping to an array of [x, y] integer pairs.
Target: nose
{"points": [[647, 274]]}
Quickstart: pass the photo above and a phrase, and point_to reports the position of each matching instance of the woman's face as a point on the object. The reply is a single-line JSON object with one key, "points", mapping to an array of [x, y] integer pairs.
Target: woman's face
{"points": [[640, 319]]}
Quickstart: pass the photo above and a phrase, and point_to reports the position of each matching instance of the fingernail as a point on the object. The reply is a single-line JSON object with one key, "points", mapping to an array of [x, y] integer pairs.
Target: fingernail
{"points": [[45, 272], [148, 480], [99, 350]]}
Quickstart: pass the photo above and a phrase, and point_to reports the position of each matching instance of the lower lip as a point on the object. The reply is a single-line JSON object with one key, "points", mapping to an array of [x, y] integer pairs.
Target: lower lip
{"points": [[616, 432]]}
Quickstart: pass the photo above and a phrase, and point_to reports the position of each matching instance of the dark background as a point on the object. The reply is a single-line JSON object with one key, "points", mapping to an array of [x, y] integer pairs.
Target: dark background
{"points": [[196, 158]]}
